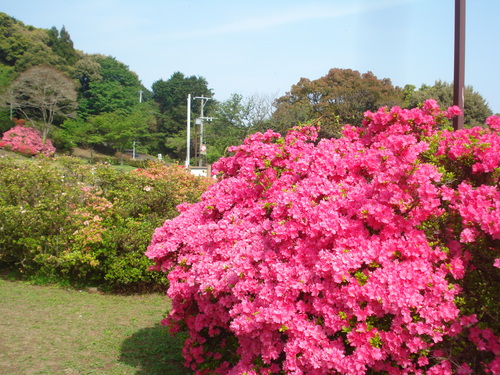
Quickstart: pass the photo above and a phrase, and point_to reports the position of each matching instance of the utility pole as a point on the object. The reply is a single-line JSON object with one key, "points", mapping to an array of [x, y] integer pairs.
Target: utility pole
{"points": [[203, 102], [188, 144], [459, 73], [140, 101], [11, 99]]}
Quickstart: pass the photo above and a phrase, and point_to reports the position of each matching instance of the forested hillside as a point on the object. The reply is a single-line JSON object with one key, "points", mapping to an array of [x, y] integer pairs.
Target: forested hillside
{"points": [[95, 101], [111, 106]]}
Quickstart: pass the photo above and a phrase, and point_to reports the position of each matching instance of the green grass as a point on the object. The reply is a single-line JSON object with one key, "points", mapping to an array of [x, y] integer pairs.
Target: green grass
{"points": [[54, 330], [124, 168]]}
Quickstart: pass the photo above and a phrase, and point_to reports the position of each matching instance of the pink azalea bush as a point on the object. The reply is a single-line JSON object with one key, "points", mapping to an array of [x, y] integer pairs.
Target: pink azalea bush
{"points": [[27, 141], [374, 253]]}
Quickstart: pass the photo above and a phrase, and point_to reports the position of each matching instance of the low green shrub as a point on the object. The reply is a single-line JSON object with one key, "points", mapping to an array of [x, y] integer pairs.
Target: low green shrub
{"points": [[86, 223]]}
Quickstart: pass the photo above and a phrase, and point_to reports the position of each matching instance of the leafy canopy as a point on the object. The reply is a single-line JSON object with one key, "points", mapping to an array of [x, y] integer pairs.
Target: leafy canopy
{"points": [[476, 110], [340, 97], [171, 96]]}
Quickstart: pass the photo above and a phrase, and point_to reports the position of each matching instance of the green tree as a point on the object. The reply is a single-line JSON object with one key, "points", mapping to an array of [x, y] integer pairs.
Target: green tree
{"points": [[62, 45], [120, 130], [7, 74], [171, 97], [476, 109], [87, 70], [340, 97], [229, 128], [106, 85], [43, 95], [13, 42], [77, 132], [148, 114], [234, 119], [24, 46]]}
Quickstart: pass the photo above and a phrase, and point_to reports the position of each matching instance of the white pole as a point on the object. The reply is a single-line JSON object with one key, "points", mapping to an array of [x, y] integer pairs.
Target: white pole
{"points": [[201, 133], [188, 141]]}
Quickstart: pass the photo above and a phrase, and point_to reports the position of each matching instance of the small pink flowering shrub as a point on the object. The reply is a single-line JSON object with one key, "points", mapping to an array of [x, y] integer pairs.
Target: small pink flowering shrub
{"points": [[374, 253], [26, 141]]}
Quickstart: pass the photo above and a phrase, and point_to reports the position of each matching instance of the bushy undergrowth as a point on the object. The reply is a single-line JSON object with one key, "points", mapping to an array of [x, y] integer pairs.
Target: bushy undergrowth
{"points": [[65, 220], [375, 253]]}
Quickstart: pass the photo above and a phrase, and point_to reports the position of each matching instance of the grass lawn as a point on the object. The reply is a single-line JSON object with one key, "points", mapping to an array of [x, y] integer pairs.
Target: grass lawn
{"points": [[52, 330]]}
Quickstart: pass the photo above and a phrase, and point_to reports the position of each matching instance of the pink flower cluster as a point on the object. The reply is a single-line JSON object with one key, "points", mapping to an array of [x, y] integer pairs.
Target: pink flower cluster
{"points": [[338, 256], [26, 141]]}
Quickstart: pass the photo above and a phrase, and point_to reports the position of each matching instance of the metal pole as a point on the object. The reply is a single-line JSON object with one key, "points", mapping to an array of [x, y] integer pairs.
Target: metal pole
{"points": [[200, 163], [204, 101], [188, 138], [459, 73]]}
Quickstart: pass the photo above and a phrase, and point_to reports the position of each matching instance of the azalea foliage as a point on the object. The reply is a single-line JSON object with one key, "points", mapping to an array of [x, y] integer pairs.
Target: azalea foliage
{"points": [[27, 141], [373, 253], [73, 222]]}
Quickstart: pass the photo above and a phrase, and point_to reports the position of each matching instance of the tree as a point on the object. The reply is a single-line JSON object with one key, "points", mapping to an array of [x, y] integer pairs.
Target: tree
{"points": [[476, 109], [171, 97], [22, 46], [42, 94], [13, 41], [6, 77], [229, 128], [78, 132], [62, 45], [234, 119], [120, 130], [260, 107], [106, 85], [87, 70], [340, 97]]}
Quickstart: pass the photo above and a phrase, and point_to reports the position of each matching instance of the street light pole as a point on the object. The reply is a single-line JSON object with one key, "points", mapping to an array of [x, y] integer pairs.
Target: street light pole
{"points": [[459, 73]]}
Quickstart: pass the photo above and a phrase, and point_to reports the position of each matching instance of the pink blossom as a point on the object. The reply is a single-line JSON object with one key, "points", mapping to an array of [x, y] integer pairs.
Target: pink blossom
{"points": [[493, 122], [27, 141], [453, 111], [431, 106], [339, 256]]}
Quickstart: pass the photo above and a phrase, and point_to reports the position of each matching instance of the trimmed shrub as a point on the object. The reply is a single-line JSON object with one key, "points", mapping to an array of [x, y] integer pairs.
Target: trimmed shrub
{"points": [[374, 253]]}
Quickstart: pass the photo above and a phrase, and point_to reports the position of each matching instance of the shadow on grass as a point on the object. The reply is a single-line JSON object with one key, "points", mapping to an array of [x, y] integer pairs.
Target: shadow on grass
{"points": [[153, 351]]}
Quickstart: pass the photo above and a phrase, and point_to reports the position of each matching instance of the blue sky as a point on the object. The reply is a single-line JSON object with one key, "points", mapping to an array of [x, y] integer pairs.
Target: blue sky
{"points": [[265, 46]]}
